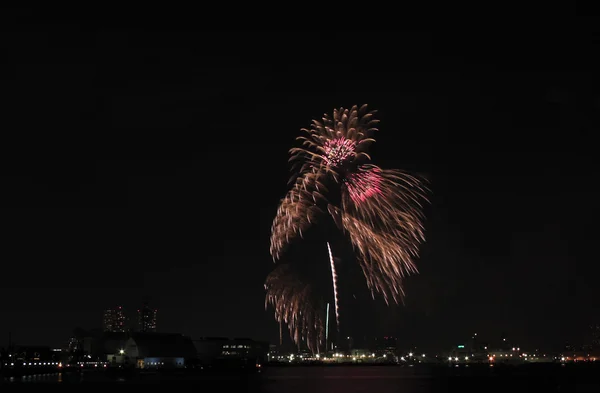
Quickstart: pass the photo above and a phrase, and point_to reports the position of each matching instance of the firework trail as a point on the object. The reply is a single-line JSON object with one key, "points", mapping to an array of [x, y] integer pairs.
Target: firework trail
{"points": [[297, 305], [335, 291], [327, 328], [380, 210]]}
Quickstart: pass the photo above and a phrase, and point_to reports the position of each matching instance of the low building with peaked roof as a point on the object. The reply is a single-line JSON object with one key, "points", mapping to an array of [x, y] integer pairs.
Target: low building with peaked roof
{"points": [[155, 350]]}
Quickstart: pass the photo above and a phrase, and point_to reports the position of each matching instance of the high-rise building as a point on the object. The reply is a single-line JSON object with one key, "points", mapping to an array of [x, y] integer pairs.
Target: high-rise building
{"points": [[114, 319], [147, 318], [595, 333]]}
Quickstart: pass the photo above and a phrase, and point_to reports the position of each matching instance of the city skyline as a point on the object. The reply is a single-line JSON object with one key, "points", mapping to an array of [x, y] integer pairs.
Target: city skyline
{"points": [[172, 159], [119, 319]]}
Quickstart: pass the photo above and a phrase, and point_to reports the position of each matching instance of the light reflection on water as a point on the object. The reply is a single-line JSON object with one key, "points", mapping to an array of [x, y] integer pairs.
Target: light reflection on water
{"points": [[355, 379], [56, 377], [50, 377]]}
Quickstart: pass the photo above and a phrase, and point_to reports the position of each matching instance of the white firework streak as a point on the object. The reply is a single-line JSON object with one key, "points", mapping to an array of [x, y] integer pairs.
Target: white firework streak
{"points": [[335, 292]]}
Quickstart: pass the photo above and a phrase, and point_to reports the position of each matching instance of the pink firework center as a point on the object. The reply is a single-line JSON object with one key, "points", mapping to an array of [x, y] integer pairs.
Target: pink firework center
{"points": [[338, 150], [364, 185]]}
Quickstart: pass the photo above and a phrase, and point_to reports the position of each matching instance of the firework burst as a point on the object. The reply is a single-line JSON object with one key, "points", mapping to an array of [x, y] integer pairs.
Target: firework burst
{"points": [[297, 305], [336, 143], [297, 210], [380, 210]]}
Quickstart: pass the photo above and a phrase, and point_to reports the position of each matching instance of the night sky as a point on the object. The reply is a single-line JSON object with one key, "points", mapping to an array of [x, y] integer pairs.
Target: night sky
{"points": [[149, 159]]}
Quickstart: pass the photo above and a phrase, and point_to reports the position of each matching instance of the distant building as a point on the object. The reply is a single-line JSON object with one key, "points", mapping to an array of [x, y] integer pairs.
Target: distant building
{"points": [[114, 320], [85, 345], [384, 344], [276, 354], [595, 337], [505, 356], [109, 344], [221, 350], [153, 350], [35, 354], [147, 319]]}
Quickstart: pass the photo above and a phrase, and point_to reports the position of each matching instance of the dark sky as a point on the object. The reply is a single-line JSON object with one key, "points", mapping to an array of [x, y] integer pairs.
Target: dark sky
{"points": [[149, 159]]}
